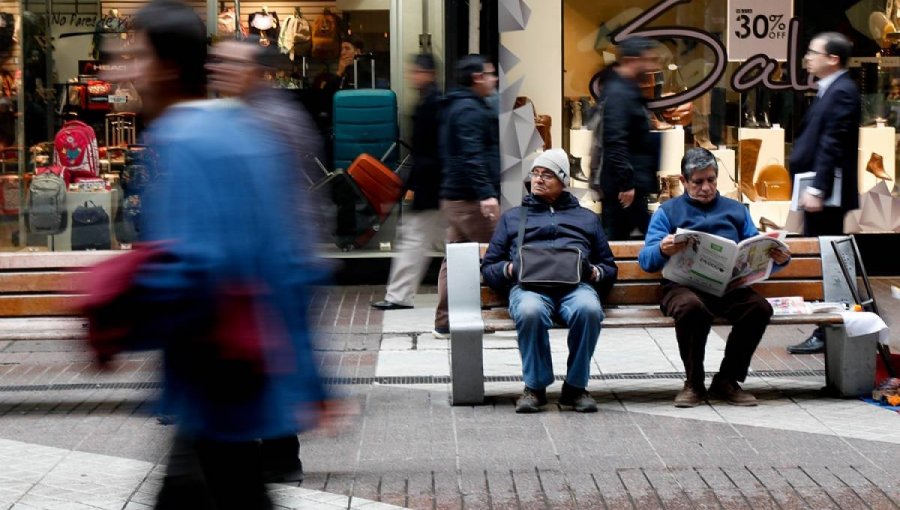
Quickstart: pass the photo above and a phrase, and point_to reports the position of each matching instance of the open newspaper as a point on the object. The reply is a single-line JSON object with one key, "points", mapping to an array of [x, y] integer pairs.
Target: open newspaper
{"points": [[715, 265]]}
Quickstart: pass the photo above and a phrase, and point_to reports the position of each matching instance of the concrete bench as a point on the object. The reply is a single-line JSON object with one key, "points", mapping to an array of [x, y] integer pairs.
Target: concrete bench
{"points": [[632, 303]]}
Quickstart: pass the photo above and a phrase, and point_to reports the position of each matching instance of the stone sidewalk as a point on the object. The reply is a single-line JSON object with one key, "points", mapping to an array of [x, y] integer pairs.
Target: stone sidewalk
{"points": [[71, 438]]}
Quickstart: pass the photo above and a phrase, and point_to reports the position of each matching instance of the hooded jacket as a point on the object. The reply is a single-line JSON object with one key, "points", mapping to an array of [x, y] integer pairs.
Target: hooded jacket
{"points": [[561, 224], [469, 147]]}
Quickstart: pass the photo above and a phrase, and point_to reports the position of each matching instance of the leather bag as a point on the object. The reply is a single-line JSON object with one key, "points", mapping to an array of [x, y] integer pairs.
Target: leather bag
{"points": [[545, 267]]}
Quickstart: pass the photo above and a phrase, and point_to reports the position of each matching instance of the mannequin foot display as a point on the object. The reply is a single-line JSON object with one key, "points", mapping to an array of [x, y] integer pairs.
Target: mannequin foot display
{"points": [[702, 140], [575, 105], [765, 224], [749, 154], [750, 120], [675, 188], [875, 166], [657, 124]]}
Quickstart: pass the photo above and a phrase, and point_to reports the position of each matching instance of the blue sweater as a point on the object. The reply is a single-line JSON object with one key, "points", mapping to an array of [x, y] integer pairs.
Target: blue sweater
{"points": [[722, 217], [225, 197]]}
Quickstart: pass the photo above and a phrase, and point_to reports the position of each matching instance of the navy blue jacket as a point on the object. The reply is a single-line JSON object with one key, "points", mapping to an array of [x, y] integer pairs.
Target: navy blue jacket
{"points": [[829, 139], [562, 224], [470, 148], [630, 150]]}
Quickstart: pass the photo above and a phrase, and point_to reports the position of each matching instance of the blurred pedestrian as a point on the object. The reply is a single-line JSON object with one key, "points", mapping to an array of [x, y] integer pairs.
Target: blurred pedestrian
{"points": [[630, 152], [470, 152], [423, 227], [228, 298]]}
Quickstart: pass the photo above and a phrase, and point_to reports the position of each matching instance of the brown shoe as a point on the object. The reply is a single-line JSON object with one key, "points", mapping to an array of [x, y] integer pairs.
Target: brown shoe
{"points": [[731, 392], [689, 396], [875, 166]]}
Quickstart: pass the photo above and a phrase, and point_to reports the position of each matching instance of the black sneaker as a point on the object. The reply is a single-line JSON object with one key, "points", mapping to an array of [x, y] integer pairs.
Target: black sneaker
{"points": [[578, 398], [531, 401]]}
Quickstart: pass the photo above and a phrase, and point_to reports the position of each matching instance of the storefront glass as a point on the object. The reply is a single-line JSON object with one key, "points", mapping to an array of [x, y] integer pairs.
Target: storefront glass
{"points": [[51, 75], [754, 97]]}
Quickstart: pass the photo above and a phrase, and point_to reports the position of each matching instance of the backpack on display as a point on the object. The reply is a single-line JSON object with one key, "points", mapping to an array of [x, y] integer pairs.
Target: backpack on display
{"points": [[90, 228], [75, 150], [326, 41], [46, 211], [128, 220]]}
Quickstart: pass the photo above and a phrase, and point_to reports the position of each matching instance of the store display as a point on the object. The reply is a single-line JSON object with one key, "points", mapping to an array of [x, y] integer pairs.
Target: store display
{"points": [[296, 36], [75, 150], [265, 24], [875, 166], [381, 186], [90, 228], [127, 223], [47, 212], [749, 153], [7, 31], [773, 182], [326, 41]]}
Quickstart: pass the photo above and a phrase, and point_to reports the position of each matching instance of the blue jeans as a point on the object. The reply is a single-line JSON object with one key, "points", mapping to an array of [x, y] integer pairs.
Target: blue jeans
{"points": [[534, 312]]}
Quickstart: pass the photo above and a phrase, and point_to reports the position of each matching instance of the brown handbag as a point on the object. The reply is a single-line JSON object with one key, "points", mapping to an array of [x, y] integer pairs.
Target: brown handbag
{"points": [[774, 182]]}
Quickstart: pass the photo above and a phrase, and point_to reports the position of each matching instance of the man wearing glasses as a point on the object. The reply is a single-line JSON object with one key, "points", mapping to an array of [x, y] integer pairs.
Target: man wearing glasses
{"points": [[553, 218], [827, 144], [469, 144], [701, 208]]}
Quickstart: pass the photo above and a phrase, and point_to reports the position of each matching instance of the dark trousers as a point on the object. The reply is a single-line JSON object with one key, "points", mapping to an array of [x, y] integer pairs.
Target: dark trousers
{"points": [[693, 311], [827, 222], [213, 475], [619, 222]]}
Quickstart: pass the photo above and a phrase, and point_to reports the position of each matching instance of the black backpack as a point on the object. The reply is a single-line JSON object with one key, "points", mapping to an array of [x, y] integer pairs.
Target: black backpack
{"points": [[90, 228]]}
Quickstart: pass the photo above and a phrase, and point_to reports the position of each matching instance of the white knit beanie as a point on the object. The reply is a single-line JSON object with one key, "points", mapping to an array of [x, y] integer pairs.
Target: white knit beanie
{"points": [[555, 160]]}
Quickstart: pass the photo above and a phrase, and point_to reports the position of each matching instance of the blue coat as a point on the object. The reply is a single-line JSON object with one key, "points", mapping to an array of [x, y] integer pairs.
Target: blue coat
{"points": [[828, 140], [226, 198], [562, 224]]}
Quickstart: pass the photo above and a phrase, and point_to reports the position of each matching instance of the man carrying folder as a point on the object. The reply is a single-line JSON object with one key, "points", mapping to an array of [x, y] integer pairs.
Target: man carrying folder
{"points": [[827, 146]]}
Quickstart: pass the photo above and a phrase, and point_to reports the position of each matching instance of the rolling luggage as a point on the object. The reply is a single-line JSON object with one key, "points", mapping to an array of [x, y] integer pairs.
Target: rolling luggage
{"points": [[365, 121], [378, 183]]}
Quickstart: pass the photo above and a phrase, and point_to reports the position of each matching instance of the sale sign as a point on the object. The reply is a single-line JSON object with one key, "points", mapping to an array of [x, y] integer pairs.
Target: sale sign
{"points": [[758, 27]]}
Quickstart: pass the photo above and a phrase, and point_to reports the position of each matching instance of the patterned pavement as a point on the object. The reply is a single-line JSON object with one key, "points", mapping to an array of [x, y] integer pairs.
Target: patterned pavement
{"points": [[72, 438]]}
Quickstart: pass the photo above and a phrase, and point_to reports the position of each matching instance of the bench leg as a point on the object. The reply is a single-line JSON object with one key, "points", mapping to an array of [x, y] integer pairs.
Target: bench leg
{"points": [[849, 362], [466, 324], [467, 366]]}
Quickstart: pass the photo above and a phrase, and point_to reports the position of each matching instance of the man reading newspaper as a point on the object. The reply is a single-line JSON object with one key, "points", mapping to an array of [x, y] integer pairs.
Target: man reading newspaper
{"points": [[702, 209]]}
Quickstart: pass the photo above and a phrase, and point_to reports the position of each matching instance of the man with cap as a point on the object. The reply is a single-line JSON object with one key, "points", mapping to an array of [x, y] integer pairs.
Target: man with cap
{"points": [[553, 218]]}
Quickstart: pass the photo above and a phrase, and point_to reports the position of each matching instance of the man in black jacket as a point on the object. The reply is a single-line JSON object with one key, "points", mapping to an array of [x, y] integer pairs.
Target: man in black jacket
{"points": [[470, 152], [827, 145], [554, 218], [630, 151], [423, 227]]}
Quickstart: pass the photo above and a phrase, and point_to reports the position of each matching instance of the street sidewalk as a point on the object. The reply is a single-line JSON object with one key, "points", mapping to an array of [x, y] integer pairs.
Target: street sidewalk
{"points": [[71, 438]]}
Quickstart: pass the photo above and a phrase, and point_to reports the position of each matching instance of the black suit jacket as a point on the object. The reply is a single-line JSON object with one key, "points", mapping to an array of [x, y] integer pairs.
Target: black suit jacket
{"points": [[828, 140]]}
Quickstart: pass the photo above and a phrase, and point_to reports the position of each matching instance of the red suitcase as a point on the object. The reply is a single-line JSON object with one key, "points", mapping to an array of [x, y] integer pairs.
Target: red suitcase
{"points": [[380, 185]]}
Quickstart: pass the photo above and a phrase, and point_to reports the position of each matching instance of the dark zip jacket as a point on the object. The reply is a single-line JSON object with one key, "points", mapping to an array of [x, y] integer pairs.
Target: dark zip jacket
{"points": [[470, 148], [561, 224]]}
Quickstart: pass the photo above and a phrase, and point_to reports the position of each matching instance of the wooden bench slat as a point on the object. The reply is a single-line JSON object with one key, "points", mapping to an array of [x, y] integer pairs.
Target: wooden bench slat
{"points": [[800, 247], [799, 268], [45, 281], [38, 305]]}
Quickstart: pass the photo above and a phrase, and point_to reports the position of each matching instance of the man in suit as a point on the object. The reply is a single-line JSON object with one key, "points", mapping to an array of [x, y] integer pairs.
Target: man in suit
{"points": [[827, 144]]}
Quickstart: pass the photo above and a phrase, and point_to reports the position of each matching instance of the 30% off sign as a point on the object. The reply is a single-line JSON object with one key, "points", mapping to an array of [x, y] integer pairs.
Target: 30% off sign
{"points": [[758, 26]]}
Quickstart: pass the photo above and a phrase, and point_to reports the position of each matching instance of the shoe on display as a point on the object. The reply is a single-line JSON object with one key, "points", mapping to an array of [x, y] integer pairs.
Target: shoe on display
{"points": [[689, 396], [441, 333], [875, 166], [531, 401], [811, 345], [387, 305], [731, 392], [577, 398]]}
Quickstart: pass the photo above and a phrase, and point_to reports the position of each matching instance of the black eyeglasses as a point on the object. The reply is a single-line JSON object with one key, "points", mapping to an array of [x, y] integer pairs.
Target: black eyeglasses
{"points": [[544, 176]]}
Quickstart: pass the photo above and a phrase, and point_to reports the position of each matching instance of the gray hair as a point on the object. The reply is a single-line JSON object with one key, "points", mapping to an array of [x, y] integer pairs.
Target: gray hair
{"points": [[696, 159]]}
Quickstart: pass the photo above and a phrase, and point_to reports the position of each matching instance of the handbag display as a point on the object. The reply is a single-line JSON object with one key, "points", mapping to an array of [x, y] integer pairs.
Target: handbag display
{"points": [[546, 267]]}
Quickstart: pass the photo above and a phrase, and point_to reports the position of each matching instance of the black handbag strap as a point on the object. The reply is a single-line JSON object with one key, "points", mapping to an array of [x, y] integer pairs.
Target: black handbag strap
{"points": [[523, 216]]}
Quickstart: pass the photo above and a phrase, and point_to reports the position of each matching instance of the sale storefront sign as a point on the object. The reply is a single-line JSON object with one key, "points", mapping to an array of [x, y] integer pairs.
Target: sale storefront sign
{"points": [[758, 27]]}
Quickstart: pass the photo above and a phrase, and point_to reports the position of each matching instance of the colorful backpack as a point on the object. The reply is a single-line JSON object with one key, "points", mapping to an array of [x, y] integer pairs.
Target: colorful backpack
{"points": [[46, 211], [75, 150], [326, 39]]}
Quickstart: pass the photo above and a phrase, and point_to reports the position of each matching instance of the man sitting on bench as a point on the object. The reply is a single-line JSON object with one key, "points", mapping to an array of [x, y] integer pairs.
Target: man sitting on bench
{"points": [[702, 208], [553, 218]]}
